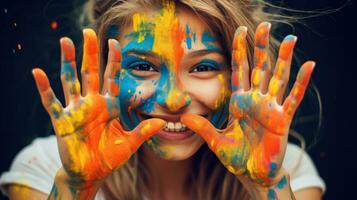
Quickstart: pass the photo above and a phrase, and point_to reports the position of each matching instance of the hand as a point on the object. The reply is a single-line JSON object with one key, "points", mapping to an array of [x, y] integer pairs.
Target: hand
{"points": [[254, 143], [91, 141]]}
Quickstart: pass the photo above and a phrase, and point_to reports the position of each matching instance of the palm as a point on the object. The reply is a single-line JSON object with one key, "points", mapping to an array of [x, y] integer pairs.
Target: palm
{"points": [[82, 128], [254, 142], [90, 139]]}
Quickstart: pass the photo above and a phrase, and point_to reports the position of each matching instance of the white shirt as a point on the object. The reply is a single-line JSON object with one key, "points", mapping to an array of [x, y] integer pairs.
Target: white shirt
{"points": [[35, 166]]}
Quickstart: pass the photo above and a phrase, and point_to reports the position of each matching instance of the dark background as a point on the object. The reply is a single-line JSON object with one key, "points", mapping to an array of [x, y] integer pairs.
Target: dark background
{"points": [[28, 40]]}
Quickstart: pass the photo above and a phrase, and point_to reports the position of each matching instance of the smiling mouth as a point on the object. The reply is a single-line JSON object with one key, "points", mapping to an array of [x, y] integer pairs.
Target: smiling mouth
{"points": [[173, 124]]}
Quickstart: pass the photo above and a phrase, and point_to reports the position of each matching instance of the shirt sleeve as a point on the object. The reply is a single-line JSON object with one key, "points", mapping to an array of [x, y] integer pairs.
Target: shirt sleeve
{"points": [[303, 173], [35, 166]]}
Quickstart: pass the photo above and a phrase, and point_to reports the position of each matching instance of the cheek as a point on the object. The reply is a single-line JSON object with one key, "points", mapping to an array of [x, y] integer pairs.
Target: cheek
{"points": [[211, 92], [136, 93]]}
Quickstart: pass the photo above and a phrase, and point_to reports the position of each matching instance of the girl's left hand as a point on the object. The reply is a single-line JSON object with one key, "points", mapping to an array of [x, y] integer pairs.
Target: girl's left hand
{"points": [[254, 143]]}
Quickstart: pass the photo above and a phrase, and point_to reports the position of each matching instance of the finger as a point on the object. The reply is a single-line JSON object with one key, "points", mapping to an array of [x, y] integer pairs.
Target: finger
{"points": [[292, 102], [261, 57], [112, 71], [240, 66], [144, 131], [48, 98], [70, 83], [203, 127], [280, 78], [89, 70]]}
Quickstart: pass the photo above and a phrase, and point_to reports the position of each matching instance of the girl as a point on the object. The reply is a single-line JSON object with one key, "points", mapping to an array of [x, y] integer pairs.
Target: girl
{"points": [[180, 83]]}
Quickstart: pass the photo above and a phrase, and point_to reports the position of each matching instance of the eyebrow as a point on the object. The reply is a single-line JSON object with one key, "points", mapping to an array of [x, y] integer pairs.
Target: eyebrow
{"points": [[197, 53]]}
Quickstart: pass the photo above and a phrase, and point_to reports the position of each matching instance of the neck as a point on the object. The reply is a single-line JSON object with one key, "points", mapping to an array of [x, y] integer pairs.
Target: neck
{"points": [[167, 179]]}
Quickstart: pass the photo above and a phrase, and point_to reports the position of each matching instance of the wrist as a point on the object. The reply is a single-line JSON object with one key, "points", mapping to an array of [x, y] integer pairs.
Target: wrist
{"points": [[278, 188], [65, 187]]}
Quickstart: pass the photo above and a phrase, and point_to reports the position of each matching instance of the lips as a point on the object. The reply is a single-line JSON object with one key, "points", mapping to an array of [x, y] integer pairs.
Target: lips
{"points": [[174, 130]]}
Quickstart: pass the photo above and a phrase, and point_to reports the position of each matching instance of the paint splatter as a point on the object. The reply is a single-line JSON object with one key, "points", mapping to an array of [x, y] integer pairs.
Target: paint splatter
{"points": [[54, 25]]}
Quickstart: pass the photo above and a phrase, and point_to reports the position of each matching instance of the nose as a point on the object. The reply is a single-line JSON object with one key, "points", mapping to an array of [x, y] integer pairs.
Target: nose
{"points": [[173, 99]]}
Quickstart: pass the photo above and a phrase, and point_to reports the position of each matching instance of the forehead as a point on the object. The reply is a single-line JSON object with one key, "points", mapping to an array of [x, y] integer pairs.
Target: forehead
{"points": [[169, 28]]}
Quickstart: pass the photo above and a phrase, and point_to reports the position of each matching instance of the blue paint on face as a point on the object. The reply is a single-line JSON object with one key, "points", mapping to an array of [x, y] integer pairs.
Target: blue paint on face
{"points": [[220, 115], [208, 39], [145, 45], [128, 87], [188, 37], [148, 105]]}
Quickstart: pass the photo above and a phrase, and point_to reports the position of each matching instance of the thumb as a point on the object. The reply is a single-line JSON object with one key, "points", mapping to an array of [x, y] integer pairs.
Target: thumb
{"points": [[145, 130], [201, 126]]}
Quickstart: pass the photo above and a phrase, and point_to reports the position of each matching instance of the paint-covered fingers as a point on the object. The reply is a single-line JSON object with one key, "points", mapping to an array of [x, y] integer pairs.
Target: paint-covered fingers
{"points": [[89, 70], [203, 127], [262, 68], [70, 83], [48, 98], [292, 102], [144, 131], [112, 71], [240, 66], [279, 81]]}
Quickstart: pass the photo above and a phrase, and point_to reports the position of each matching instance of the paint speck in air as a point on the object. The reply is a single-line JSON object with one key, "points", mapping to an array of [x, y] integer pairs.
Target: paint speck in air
{"points": [[19, 47], [14, 24], [5, 10], [54, 25]]}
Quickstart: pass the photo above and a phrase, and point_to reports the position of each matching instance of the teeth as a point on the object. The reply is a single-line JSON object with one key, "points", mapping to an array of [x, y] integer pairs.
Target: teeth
{"points": [[178, 126], [175, 127]]}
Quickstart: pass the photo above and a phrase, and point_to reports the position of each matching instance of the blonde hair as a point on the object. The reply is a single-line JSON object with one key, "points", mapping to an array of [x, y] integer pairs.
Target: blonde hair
{"points": [[210, 179]]}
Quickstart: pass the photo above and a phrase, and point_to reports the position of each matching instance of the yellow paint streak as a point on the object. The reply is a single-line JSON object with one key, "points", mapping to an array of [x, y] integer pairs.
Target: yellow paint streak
{"points": [[231, 169], [274, 87], [236, 132], [223, 92], [64, 126], [118, 141], [256, 77], [280, 69], [146, 129], [78, 151], [138, 20], [175, 99], [255, 96], [165, 37]]}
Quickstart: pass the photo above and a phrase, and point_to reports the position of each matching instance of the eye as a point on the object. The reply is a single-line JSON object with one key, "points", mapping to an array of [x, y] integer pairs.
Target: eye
{"points": [[204, 68], [143, 67]]}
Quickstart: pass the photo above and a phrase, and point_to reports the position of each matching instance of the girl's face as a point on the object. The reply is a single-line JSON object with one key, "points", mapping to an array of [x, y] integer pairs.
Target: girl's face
{"points": [[172, 64]]}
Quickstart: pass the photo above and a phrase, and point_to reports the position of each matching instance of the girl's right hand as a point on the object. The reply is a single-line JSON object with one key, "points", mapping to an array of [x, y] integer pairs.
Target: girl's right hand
{"points": [[91, 140]]}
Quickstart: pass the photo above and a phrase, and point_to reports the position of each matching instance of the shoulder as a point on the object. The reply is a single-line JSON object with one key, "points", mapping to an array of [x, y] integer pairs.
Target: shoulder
{"points": [[301, 168], [34, 166]]}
